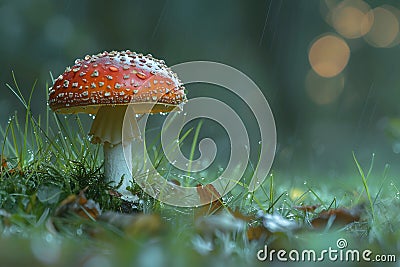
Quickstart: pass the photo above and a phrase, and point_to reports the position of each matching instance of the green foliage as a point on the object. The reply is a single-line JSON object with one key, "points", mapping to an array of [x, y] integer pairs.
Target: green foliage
{"points": [[36, 156]]}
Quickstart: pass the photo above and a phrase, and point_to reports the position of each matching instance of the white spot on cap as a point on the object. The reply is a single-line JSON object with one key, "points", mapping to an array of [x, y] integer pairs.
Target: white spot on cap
{"points": [[95, 73]]}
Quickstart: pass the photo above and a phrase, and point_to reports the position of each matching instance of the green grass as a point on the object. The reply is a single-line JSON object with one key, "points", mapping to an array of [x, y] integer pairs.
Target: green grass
{"points": [[51, 159]]}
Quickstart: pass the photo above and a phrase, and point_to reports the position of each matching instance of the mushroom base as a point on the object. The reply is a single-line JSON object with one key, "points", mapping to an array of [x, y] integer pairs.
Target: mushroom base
{"points": [[116, 168]]}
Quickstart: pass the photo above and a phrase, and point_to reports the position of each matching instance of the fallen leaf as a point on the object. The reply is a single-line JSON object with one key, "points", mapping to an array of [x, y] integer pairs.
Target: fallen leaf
{"points": [[4, 168], [4, 164], [80, 205], [307, 208], [337, 217], [209, 195], [257, 232], [253, 232], [175, 182], [238, 215]]}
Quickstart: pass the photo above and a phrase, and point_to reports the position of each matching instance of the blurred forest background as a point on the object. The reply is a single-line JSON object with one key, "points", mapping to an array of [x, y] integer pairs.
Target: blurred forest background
{"points": [[329, 69]]}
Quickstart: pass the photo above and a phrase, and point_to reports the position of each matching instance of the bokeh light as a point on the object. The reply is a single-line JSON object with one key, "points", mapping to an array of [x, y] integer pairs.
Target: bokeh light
{"points": [[396, 12], [352, 18], [385, 29], [329, 55], [323, 91]]}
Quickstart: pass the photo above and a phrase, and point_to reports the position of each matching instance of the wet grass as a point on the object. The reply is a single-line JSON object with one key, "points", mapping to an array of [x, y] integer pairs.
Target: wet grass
{"points": [[47, 160]]}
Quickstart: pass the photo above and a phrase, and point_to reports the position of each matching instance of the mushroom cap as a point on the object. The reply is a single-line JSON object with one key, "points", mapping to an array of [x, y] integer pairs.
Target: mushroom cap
{"points": [[117, 78]]}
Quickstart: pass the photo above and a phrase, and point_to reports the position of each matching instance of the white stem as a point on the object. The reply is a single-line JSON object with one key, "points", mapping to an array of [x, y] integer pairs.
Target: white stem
{"points": [[107, 130], [116, 166]]}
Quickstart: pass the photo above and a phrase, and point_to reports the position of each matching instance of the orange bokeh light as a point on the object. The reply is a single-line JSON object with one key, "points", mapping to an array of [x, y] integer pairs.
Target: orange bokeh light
{"points": [[385, 29], [329, 55], [352, 18]]}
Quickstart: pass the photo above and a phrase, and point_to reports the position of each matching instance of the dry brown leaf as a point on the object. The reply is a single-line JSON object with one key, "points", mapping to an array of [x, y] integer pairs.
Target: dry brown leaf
{"points": [[238, 215], [257, 232], [209, 195], [307, 208], [338, 217], [175, 182], [4, 164], [253, 232], [80, 205], [4, 168]]}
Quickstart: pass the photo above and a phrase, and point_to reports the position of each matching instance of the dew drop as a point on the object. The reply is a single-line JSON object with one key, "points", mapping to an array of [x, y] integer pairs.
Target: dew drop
{"points": [[49, 238], [141, 75], [79, 231]]}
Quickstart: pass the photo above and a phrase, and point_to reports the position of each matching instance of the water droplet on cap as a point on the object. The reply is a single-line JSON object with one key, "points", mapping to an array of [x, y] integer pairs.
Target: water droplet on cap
{"points": [[141, 75], [112, 68]]}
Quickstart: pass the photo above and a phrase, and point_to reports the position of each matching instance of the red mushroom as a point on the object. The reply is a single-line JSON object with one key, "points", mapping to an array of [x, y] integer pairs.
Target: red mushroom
{"points": [[104, 85]]}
